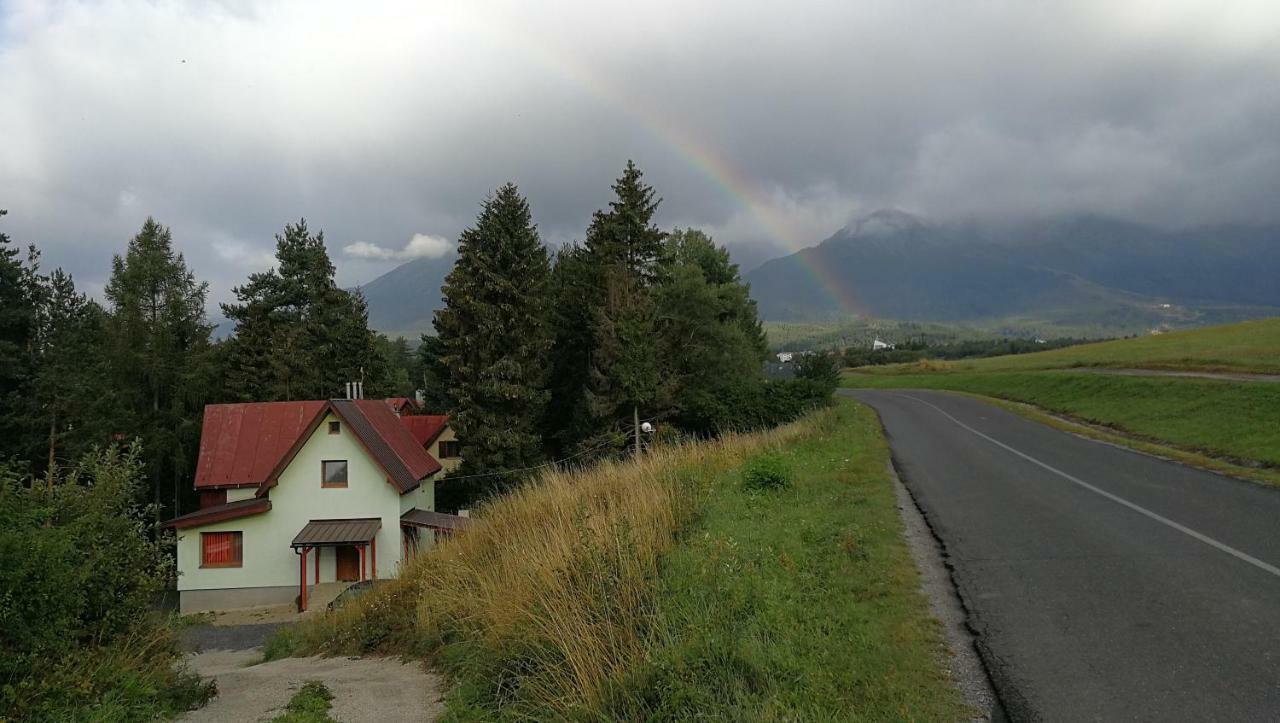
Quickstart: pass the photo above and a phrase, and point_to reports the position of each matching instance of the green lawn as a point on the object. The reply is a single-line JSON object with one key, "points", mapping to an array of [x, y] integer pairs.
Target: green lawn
{"points": [[1227, 419], [799, 603], [1251, 346]]}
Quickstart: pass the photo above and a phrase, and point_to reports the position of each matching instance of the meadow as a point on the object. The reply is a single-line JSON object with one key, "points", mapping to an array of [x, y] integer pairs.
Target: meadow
{"points": [[669, 587]]}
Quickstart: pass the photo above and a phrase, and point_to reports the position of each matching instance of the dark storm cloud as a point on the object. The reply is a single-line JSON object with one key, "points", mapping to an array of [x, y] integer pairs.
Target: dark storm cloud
{"points": [[768, 124]]}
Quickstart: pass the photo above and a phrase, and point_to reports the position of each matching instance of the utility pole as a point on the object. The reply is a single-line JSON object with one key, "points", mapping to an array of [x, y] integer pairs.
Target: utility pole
{"points": [[635, 421]]}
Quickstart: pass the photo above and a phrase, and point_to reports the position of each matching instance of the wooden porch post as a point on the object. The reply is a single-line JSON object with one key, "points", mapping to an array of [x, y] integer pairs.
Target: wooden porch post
{"points": [[361, 550], [302, 576], [317, 565], [373, 555]]}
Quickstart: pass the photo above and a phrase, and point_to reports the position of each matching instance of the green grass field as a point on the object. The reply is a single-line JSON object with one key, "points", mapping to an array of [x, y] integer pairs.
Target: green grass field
{"points": [[800, 603], [1250, 346]]}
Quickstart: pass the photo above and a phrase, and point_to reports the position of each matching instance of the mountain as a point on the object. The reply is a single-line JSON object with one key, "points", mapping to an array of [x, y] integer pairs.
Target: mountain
{"points": [[404, 300], [1077, 271]]}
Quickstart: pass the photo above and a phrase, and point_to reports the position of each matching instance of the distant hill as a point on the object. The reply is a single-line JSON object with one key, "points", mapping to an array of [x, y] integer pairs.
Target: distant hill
{"points": [[1079, 272], [403, 301]]}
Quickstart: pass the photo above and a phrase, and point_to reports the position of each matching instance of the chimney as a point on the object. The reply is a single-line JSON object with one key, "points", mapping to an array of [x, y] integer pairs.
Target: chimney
{"points": [[349, 390]]}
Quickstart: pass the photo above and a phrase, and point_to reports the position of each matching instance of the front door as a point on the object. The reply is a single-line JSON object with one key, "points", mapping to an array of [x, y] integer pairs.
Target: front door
{"points": [[348, 558]]}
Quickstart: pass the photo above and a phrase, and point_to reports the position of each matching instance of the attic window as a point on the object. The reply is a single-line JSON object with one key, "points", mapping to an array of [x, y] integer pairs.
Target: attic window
{"points": [[335, 427], [334, 473]]}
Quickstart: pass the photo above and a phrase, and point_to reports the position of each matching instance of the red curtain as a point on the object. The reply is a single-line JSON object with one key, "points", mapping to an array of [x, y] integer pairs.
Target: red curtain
{"points": [[221, 548]]}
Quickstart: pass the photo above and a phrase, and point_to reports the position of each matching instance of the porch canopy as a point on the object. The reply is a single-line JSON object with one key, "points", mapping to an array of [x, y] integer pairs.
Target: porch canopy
{"points": [[434, 520], [360, 533], [332, 533]]}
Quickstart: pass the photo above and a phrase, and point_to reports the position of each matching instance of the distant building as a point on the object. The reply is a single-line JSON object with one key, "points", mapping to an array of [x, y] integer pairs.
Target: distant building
{"points": [[878, 345], [784, 357]]}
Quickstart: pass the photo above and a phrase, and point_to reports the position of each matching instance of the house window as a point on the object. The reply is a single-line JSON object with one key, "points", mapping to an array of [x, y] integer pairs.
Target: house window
{"points": [[334, 473], [450, 449], [221, 549], [335, 427]]}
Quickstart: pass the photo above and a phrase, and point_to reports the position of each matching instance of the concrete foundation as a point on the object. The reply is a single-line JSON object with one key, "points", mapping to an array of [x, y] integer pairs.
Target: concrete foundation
{"points": [[198, 601]]}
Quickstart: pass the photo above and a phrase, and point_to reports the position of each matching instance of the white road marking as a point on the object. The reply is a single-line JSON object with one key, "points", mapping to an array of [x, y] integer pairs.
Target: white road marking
{"points": [[1114, 498]]}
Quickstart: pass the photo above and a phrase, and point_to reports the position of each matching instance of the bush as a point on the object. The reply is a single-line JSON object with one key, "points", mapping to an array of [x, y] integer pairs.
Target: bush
{"points": [[767, 472], [79, 575]]}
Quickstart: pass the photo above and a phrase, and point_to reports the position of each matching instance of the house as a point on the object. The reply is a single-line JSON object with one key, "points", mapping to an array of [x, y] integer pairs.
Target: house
{"points": [[403, 405], [785, 357], [294, 494], [436, 436], [878, 345]]}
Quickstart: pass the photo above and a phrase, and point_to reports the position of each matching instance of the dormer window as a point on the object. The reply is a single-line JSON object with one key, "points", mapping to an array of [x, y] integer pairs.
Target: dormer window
{"points": [[334, 473], [335, 427]]}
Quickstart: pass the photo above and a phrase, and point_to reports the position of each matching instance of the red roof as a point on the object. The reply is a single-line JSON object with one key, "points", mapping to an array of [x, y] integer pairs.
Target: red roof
{"points": [[249, 445], [405, 461], [399, 404], [241, 444], [219, 513], [425, 427]]}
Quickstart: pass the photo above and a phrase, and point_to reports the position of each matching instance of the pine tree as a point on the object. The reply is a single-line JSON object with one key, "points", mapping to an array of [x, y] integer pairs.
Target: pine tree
{"points": [[299, 336], [710, 340], [568, 423], [624, 248], [494, 334], [158, 344], [430, 372], [17, 336]]}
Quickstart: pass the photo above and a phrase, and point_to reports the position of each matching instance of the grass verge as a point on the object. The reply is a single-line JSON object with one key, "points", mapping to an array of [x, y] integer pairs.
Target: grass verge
{"points": [[1225, 426], [664, 588]]}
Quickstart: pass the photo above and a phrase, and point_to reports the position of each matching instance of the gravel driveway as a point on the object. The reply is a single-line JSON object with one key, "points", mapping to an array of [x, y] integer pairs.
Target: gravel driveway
{"points": [[364, 689]]}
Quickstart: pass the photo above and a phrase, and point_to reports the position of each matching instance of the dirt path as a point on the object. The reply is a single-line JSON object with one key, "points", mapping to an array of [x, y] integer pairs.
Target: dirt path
{"points": [[364, 689]]}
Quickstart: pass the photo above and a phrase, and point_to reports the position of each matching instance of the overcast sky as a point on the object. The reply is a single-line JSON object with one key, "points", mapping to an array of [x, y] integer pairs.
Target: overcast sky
{"points": [[768, 124]]}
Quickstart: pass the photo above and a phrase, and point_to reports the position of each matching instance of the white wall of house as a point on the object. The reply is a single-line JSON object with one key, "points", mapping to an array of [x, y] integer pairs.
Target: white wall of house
{"points": [[450, 464], [298, 498]]}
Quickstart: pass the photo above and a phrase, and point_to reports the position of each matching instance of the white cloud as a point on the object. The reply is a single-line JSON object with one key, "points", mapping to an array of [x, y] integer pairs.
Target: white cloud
{"points": [[421, 246]]}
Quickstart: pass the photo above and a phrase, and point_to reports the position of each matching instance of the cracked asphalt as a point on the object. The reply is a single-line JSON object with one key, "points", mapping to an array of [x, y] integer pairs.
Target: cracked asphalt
{"points": [[1101, 584]]}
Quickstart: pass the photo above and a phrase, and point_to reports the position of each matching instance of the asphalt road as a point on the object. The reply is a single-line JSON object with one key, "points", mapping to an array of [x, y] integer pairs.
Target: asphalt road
{"points": [[1101, 584]]}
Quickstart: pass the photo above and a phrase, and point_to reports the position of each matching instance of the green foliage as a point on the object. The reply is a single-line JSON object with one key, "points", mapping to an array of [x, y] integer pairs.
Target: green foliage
{"points": [[80, 574], [803, 604], [401, 365], [494, 335], [310, 704], [159, 349], [299, 336], [821, 369], [767, 472], [431, 374], [568, 423], [17, 334]]}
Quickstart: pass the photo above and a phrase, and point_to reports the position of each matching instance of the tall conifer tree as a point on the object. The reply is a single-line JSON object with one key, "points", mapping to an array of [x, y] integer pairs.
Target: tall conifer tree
{"points": [[17, 335], [159, 348], [299, 336], [494, 335]]}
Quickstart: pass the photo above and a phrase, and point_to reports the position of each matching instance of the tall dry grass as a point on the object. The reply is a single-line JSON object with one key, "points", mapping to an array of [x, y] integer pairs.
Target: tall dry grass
{"points": [[546, 601]]}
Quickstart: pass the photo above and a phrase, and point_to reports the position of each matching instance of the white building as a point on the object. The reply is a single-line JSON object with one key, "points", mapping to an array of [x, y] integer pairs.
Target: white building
{"points": [[877, 345], [299, 493]]}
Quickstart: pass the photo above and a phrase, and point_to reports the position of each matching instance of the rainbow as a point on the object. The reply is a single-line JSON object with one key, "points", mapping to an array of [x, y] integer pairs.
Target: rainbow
{"points": [[699, 155]]}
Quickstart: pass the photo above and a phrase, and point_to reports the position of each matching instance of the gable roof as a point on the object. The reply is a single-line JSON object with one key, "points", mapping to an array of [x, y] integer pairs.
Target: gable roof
{"points": [[241, 444], [250, 444], [399, 404], [388, 441], [425, 427]]}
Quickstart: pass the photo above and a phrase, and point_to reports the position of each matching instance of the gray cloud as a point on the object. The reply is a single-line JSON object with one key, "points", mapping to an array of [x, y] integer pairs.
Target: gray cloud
{"points": [[769, 124]]}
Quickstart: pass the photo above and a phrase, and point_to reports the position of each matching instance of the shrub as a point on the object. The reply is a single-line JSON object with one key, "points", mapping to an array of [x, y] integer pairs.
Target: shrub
{"points": [[79, 575], [767, 472]]}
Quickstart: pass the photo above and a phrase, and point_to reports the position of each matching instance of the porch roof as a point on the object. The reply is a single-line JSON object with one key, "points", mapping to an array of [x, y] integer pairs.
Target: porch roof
{"points": [[330, 533], [434, 520]]}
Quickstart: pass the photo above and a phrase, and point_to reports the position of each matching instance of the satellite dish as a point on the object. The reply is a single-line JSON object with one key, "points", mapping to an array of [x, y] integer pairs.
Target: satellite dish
{"points": [[646, 428]]}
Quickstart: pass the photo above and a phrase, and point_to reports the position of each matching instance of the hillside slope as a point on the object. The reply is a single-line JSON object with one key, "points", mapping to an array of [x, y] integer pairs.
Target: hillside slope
{"points": [[404, 299], [1069, 271]]}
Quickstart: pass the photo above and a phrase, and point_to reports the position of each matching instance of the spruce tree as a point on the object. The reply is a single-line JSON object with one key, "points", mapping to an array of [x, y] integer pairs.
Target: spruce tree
{"points": [[298, 335], [158, 345], [624, 248], [17, 335], [494, 335], [568, 422]]}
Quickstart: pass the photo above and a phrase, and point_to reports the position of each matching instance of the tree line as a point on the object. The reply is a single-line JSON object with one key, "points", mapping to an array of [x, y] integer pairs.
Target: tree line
{"points": [[539, 356]]}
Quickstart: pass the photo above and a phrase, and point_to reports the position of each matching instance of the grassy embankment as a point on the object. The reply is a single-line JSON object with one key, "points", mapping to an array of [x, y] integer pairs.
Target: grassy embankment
{"points": [[1229, 426], [667, 588]]}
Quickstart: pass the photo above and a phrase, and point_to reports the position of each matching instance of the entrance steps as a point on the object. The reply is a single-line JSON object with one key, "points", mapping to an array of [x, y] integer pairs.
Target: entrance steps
{"points": [[319, 596]]}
